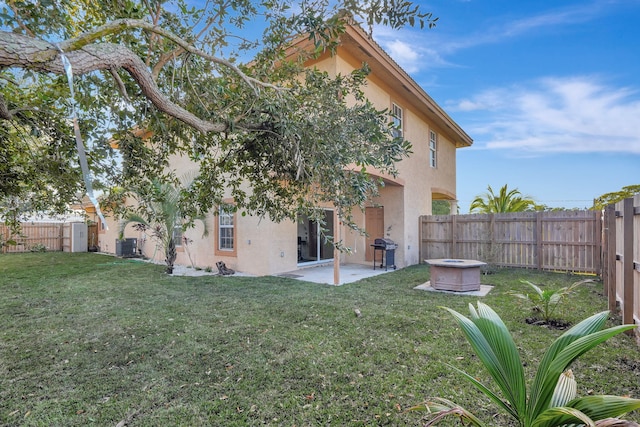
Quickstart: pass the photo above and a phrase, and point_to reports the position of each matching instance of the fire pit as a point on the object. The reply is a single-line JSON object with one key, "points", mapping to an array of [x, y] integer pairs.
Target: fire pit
{"points": [[459, 275]]}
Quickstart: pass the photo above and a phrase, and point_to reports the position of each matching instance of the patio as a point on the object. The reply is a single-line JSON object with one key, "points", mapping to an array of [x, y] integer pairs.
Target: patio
{"points": [[321, 273], [324, 273]]}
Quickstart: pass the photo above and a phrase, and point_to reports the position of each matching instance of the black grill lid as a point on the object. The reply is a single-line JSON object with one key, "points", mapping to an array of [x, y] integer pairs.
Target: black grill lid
{"points": [[385, 243]]}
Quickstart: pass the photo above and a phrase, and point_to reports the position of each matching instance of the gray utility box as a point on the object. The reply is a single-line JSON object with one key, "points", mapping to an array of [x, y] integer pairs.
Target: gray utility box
{"points": [[126, 247]]}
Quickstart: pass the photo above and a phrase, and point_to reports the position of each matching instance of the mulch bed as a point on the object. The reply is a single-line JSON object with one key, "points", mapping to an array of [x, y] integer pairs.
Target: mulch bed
{"points": [[551, 324]]}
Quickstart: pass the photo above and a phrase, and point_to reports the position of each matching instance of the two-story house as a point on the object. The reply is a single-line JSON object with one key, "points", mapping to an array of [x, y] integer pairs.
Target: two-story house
{"points": [[261, 247]]}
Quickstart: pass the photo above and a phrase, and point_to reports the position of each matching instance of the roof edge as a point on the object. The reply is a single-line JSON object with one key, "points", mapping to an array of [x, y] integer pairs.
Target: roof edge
{"points": [[363, 39]]}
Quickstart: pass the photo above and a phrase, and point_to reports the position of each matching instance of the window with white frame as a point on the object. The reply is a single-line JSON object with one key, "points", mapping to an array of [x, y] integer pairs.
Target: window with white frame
{"points": [[396, 113], [433, 149], [225, 228], [177, 235]]}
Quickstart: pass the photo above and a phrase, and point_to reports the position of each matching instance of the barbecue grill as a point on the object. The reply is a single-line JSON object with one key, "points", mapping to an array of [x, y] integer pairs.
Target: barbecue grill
{"points": [[387, 247]]}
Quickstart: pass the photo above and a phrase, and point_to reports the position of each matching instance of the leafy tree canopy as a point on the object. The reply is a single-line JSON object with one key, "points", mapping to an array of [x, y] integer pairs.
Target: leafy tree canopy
{"points": [[440, 207], [243, 107], [602, 201], [505, 201]]}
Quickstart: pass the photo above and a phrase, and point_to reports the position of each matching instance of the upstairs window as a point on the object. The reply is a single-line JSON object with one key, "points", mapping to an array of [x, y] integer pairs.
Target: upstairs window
{"points": [[433, 149], [396, 113]]}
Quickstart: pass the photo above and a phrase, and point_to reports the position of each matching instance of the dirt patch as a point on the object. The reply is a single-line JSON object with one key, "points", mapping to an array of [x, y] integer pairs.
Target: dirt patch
{"points": [[551, 324], [630, 364]]}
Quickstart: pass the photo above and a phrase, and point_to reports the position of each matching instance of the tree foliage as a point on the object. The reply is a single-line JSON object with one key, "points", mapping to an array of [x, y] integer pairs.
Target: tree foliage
{"points": [[505, 201], [208, 85], [602, 201], [440, 207]]}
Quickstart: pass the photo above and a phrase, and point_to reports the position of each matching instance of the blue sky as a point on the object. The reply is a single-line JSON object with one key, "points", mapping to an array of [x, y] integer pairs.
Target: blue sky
{"points": [[548, 90]]}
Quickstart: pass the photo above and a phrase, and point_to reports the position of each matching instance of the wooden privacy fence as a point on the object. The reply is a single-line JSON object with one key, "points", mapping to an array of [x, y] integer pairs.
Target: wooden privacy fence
{"points": [[621, 258], [32, 236], [564, 241], [50, 236]]}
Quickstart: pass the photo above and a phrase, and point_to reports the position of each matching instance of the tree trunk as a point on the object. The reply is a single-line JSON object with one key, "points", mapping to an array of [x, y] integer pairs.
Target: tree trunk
{"points": [[170, 255]]}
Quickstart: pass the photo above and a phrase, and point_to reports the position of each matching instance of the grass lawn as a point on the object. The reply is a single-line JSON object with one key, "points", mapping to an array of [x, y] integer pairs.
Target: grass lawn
{"points": [[90, 339]]}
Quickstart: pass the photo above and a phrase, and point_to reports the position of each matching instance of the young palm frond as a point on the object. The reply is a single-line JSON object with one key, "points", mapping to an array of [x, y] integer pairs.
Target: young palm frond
{"points": [[551, 399], [547, 300], [160, 212]]}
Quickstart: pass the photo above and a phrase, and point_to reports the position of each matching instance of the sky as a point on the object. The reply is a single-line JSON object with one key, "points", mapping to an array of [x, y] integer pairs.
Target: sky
{"points": [[548, 90]]}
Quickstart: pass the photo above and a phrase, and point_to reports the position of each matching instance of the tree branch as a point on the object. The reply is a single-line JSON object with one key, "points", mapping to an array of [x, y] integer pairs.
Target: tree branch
{"points": [[4, 110], [168, 56], [24, 52], [121, 88], [28, 53], [119, 25], [19, 21]]}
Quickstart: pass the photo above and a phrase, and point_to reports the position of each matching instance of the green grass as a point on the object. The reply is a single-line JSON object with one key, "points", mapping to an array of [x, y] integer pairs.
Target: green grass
{"points": [[90, 339]]}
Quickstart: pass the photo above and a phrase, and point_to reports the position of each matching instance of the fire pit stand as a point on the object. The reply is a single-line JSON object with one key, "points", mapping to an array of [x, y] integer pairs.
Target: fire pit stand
{"points": [[458, 275]]}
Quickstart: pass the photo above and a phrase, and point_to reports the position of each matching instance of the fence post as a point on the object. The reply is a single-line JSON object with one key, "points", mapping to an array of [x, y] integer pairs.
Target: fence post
{"points": [[61, 236], [538, 237], [598, 243], [492, 240], [627, 262], [420, 238], [454, 236], [5, 237], [609, 255]]}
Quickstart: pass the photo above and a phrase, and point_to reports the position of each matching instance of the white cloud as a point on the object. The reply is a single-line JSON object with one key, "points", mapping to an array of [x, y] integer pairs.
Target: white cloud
{"points": [[508, 28], [488, 100], [413, 50], [559, 17], [578, 114], [403, 54], [419, 50]]}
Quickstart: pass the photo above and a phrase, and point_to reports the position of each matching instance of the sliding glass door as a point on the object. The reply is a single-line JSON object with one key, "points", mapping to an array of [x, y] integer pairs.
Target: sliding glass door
{"points": [[312, 244]]}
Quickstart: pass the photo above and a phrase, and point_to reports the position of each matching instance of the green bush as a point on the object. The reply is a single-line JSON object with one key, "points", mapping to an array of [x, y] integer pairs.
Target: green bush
{"points": [[38, 247]]}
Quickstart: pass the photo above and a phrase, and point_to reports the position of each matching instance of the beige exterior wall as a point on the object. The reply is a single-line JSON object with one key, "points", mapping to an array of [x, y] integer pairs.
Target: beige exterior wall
{"points": [[262, 246], [107, 238]]}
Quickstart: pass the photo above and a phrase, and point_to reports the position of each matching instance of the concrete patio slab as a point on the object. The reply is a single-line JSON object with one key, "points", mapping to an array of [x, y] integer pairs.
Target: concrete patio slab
{"points": [[484, 290], [323, 273]]}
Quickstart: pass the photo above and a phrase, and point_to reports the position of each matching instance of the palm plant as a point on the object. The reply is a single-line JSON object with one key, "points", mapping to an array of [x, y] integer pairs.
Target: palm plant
{"points": [[504, 201], [551, 400], [547, 301], [159, 213]]}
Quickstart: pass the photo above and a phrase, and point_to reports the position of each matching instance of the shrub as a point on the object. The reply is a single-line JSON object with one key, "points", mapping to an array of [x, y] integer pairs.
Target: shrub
{"points": [[38, 247]]}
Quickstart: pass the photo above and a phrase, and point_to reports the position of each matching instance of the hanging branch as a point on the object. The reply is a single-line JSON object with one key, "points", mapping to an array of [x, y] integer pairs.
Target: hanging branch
{"points": [[25, 52]]}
